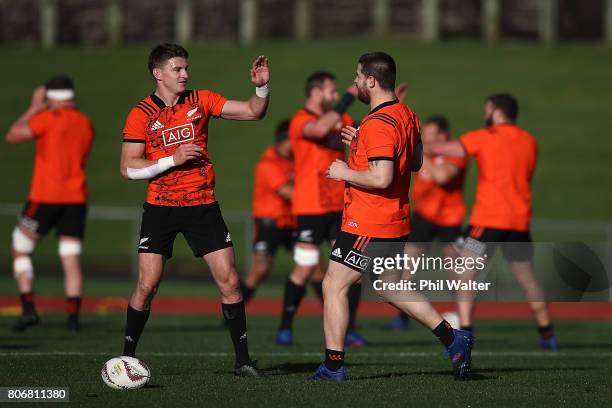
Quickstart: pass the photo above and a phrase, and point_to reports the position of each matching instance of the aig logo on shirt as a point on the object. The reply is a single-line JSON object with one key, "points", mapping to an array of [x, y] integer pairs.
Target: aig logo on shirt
{"points": [[178, 134]]}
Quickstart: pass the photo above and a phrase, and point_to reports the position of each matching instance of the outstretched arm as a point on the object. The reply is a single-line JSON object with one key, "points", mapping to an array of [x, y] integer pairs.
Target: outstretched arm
{"points": [[378, 175], [20, 131], [254, 108], [452, 148]]}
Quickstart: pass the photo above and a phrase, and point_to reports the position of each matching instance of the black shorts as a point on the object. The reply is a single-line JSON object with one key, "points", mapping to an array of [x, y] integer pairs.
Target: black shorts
{"points": [[268, 237], [515, 245], [314, 229], [358, 252], [426, 231], [202, 225], [67, 219]]}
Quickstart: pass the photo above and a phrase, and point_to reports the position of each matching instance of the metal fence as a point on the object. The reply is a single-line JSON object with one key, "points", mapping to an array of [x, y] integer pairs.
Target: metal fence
{"points": [[51, 22], [133, 216]]}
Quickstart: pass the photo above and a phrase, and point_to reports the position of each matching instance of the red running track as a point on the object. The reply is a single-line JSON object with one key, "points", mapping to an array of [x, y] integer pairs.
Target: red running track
{"points": [[309, 307]]}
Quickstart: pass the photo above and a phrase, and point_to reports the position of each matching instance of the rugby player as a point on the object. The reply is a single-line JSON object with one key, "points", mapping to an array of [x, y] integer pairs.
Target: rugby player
{"points": [[272, 217], [165, 141], [376, 213], [506, 156], [437, 197], [315, 137], [58, 194]]}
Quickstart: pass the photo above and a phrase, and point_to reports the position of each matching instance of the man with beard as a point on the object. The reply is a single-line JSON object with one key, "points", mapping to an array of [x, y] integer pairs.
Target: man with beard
{"points": [[315, 137], [506, 157], [376, 216]]}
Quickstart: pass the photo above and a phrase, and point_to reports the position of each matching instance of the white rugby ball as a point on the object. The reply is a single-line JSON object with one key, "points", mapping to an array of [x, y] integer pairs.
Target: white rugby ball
{"points": [[125, 373], [452, 318]]}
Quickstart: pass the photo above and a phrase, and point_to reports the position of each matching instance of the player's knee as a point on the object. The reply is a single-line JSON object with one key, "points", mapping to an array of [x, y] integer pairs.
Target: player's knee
{"points": [[146, 289], [69, 247], [22, 243], [328, 284], [308, 257], [230, 285], [22, 265]]}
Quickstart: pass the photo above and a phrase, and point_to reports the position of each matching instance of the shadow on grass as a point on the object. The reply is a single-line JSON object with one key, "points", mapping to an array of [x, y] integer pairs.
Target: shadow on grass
{"points": [[152, 386], [290, 368], [586, 346], [9, 346], [193, 327], [402, 343]]}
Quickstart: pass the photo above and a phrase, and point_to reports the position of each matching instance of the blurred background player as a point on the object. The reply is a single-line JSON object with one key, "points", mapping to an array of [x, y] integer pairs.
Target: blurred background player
{"points": [[58, 194], [165, 141], [317, 203], [274, 222], [438, 207], [376, 217], [506, 156]]}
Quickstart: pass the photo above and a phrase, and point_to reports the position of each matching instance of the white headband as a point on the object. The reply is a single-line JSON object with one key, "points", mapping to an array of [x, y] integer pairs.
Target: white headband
{"points": [[60, 94]]}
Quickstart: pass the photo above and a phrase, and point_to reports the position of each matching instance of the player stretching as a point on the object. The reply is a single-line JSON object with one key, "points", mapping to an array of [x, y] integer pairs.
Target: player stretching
{"points": [[58, 194], [376, 213], [315, 137], [437, 195], [271, 208], [506, 157], [165, 141]]}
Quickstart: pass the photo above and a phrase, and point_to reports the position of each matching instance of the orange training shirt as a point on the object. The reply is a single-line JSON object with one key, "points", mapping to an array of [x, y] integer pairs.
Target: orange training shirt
{"points": [[63, 140], [506, 156], [389, 132], [314, 193], [271, 173], [163, 129]]}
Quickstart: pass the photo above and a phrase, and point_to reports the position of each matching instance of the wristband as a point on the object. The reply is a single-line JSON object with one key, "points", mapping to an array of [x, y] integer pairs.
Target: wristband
{"points": [[165, 163], [262, 91], [344, 103]]}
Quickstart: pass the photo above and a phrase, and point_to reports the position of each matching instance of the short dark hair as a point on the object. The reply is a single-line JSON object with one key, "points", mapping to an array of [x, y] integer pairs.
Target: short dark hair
{"points": [[60, 82], [381, 66], [505, 103], [163, 52], [282, 131], [440, 121], [316, 79]]}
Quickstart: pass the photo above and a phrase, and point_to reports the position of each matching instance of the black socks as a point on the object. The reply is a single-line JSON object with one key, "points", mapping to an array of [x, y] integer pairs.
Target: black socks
{"points": [[334, 360], [291, 301], [235, 320], [444, 332], [354, 296], [27, 303], [73, 306], [318, 288], [546, 332], [247, 292], [134, 325]]}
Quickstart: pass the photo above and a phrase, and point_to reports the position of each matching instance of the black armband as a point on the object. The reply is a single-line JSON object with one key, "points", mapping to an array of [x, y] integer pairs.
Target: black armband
{"points": [[344, 103]]}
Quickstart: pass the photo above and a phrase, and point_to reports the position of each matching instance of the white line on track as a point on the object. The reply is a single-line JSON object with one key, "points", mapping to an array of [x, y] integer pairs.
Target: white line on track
{"points": [[312, 354]]}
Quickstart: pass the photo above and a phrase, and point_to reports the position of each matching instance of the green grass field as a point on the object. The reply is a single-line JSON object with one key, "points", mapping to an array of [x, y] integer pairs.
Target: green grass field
{"points": [[565, 101], [561, 89], [191, 362]]}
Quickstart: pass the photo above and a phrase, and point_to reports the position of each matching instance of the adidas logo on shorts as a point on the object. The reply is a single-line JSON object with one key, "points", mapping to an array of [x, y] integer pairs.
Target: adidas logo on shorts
{"points": [[337, 253], [228, 238], [157, 125]]}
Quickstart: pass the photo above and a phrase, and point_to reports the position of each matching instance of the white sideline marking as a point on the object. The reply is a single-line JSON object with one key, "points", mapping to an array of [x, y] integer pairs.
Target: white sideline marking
{"points": [[545, 354]]}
